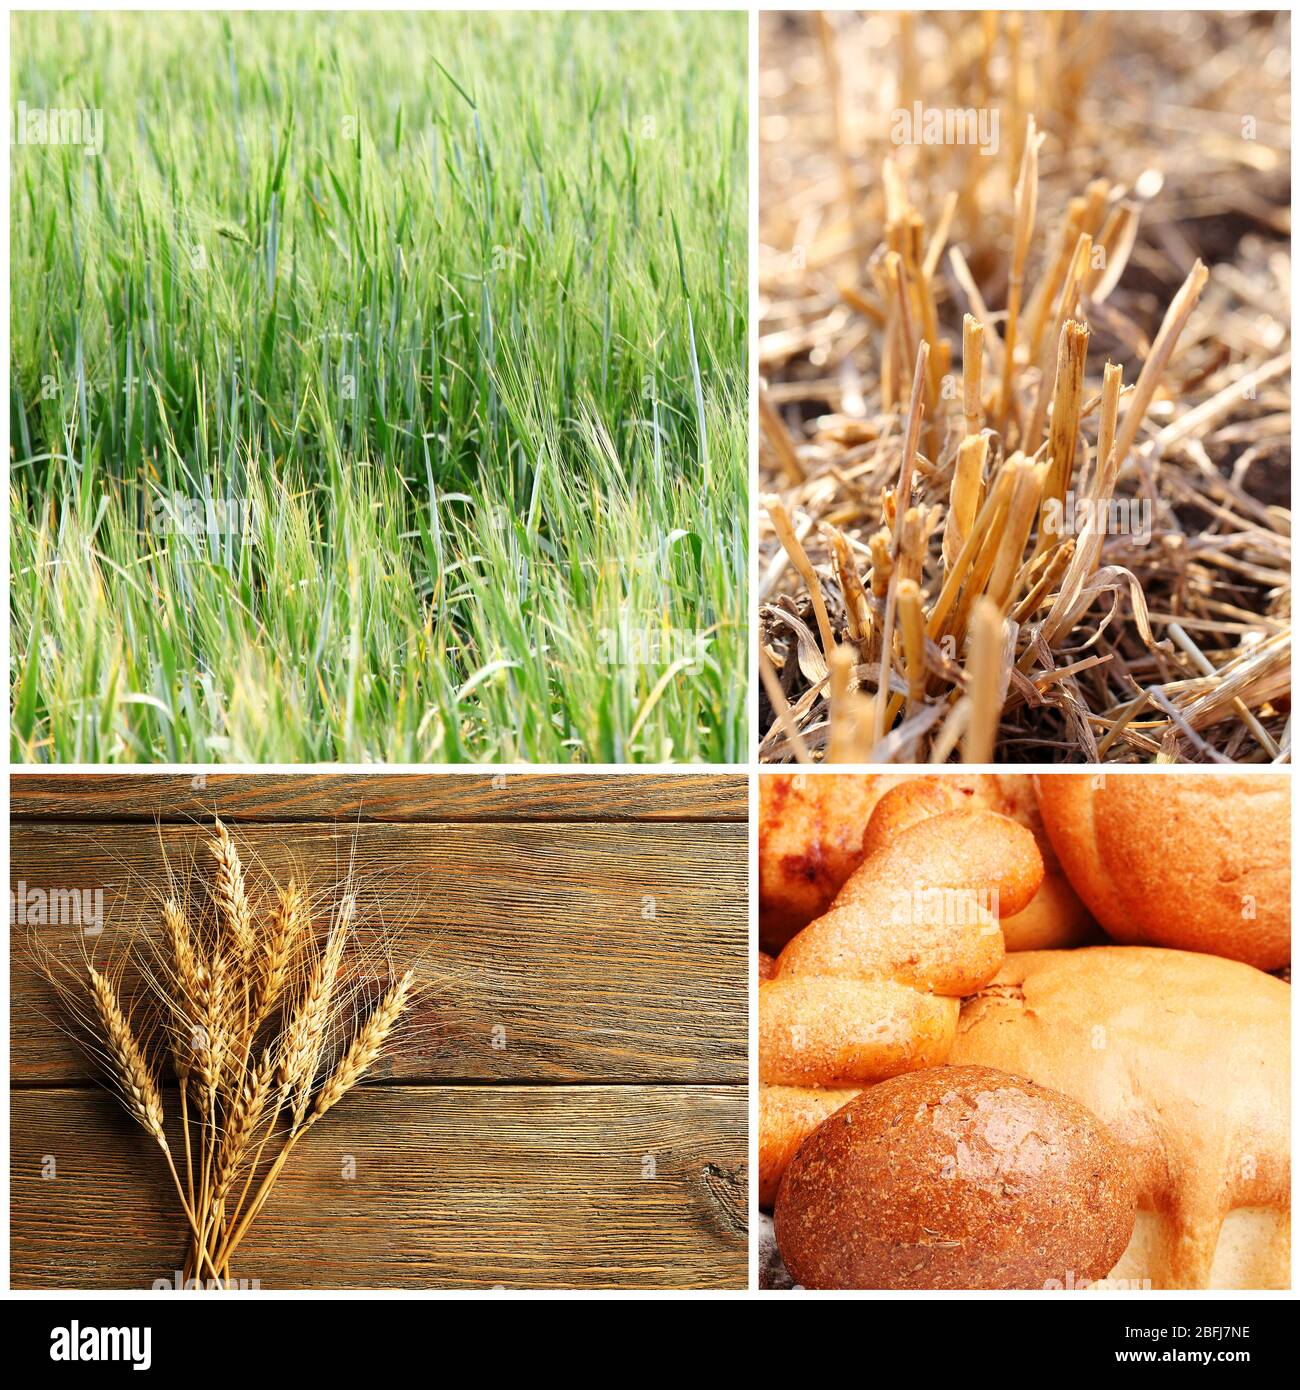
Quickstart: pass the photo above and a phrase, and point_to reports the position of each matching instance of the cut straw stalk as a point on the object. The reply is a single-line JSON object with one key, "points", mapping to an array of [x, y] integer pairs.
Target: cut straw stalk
{"points": [[857, 606], [1117, 239], [987, 524], [834, 82], [1111, 455], [972, 372], [1026, 202], [1026, 491], [799, 559], [1071, 359], [1049, 356], [781, 708], [1049, 285], [1153, 369], [984, 669], [912, 623], [850, 713], [966, 495], [1056, 564], [1003, 547], [895, 276], [924, 297], [902, 498], [779, 438], [843, 733]]}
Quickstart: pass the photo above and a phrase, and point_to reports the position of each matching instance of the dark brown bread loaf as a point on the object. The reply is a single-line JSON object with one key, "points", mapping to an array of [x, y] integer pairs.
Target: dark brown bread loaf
{"points": [[956, 1178]]}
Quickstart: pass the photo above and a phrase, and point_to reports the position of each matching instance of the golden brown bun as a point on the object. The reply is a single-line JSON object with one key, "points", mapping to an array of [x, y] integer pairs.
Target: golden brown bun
{"points": [[955, 1178], [766, 966], [787, 1116], [871, 988], [1199, 862], [866, 991], [812, 828], [829, 1031], [1186, 1058]]}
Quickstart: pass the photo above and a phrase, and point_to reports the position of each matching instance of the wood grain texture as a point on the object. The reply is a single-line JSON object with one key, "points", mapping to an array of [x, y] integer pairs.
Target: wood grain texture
{"points": [[553, 952], [448, 797], [465, 1187], [583, 942]]}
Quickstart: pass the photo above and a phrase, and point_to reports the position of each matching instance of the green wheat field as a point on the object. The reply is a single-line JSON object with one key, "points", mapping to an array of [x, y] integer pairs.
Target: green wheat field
{"points": [[378, 388]]}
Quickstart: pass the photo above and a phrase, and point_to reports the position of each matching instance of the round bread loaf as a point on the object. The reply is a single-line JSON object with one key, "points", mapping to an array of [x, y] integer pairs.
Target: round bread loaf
{"points": [[956, 1178], [1199, 862], [1186, 1058]]}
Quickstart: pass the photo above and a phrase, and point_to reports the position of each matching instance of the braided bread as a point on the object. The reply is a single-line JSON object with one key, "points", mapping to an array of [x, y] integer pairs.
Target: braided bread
{"points": [[810, 834], [873, 988], [1186, 1058]]}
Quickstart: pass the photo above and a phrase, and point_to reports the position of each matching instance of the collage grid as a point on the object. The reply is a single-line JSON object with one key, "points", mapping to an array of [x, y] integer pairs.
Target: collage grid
{"points": [[650, 657]]}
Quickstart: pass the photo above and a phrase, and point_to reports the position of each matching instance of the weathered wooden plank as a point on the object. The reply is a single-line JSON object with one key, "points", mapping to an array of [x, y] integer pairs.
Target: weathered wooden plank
{"points": [[444, 797], [554, 952], [538, 1187]]}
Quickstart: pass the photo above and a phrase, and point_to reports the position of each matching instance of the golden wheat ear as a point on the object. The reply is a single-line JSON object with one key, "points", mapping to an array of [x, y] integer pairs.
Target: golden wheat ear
{"points": [[365, 1047], [133, 1078], [230, 893], [304, 1039], [275, 959]]}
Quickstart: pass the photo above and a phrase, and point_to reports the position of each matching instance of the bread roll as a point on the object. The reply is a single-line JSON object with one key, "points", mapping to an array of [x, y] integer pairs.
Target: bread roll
{"points": [[790, 1114], [955, 1178], [1200, 862], [1186, 1058], [812, 828], [825, 1030]]}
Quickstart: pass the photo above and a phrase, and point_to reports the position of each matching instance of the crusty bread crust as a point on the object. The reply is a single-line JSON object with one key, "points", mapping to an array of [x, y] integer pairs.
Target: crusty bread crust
{"points": [[825, 1030], [1198, 862], [956, 1178], [1186, 1058]]}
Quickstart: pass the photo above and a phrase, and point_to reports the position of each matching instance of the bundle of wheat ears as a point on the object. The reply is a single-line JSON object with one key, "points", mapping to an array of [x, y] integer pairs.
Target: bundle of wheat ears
{"points": [[951, 567], [267, 1018]]}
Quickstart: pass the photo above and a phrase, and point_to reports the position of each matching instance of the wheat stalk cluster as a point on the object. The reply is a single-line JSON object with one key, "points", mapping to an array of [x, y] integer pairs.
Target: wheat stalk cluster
{"points": [[267, 1013]]}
